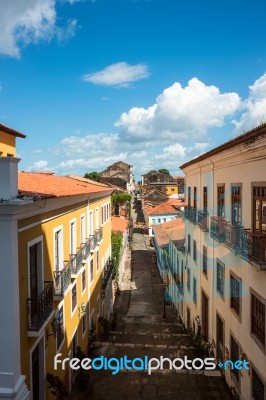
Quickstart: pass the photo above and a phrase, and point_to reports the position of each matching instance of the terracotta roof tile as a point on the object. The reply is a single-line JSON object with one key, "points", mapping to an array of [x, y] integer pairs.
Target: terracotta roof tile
{"points": [[163, 208], [48, 185], [119, 224], [173, 230]]}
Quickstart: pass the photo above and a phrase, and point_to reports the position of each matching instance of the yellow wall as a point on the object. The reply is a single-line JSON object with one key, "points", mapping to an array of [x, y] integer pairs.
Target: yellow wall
{"points": [[72, 321], [7, 144], [170, 190]]}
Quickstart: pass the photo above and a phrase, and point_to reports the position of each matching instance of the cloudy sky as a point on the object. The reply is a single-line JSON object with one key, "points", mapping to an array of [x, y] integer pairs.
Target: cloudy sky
{"points": [[150, 82]]}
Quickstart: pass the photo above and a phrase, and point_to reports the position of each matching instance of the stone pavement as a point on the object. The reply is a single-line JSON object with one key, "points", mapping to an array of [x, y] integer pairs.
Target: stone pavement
{"points": [[141, 331]]}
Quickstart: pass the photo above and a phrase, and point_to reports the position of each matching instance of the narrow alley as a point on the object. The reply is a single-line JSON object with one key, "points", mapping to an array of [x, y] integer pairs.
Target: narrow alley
{"points": [[142, 331]]}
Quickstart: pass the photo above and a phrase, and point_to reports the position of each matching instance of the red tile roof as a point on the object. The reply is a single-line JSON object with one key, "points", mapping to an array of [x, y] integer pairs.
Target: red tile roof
{"points": [[11, 131], [173, 230], [49, 185], [163, 208], [119, 224]]}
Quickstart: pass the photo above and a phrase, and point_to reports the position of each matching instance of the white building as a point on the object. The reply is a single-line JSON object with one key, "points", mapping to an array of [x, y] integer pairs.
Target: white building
{"points": [[225, 241]]}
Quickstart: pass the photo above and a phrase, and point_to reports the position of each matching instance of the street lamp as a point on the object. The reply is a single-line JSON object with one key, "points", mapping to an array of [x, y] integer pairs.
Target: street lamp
{"points": [[82, 309], [55, 326]]}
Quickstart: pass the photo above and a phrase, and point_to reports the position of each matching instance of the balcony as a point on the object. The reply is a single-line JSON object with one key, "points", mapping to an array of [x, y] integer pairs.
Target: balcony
{"points": [[99, 235], [253, 248], [217, 229], [40, 309], [86, 249], [107, 275], [62, 280], [191, 214], [76, 262], [232, 236], [203, 220], [94, 242]]}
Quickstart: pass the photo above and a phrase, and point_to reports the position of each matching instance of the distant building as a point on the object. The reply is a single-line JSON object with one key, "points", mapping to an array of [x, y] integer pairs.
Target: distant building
{"points": [[161, 213], [154, 196], [119, 174], [155, 177]]}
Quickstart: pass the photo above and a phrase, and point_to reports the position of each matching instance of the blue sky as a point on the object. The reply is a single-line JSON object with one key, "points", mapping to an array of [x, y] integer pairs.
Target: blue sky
{"points": [[153, 83]]}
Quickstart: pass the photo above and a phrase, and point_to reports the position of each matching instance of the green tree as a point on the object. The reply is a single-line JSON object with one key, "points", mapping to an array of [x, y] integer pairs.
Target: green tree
{"points": [[164, 171], [95, 176]]}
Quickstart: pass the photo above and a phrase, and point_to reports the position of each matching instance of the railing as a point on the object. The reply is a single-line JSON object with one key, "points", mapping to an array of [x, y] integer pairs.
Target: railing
{"points": [[203, 220], [93, 239], [191, 214], [62, 280], [232, 235], [86, 249], [108, 271], [76, 262], [217, 229], [253, 247], [40, 308], [99, 234]]}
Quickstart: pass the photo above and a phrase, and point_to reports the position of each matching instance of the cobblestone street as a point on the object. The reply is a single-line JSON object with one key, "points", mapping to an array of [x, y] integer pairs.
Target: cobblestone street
{"points": [[141, 331]]}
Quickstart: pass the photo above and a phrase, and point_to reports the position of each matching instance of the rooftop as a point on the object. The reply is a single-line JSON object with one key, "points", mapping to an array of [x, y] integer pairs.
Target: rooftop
{"points": [[11, 131], [119, 224], [49, 185], [164, 208], [248, 137], [172, 230]]}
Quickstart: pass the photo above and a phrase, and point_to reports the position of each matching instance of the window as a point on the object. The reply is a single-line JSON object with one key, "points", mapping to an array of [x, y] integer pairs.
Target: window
{"points": [[235, 294], [72, 237], [195, 290], [220, 200], [102, 214], [91, 270], [153, 220], [97, 260], [82, 229], [205, 198], [204, 260], [220, 278], [159, 220], [84, 322], [195, 197], [58, 250], [257, 386], [83, 280], [164, 219], [194, 250], [189, 243], [189, 197], [60, 334], [259, 210], [236, 205], [188, 279], [258, 319], [74, 297], [235, 356]]}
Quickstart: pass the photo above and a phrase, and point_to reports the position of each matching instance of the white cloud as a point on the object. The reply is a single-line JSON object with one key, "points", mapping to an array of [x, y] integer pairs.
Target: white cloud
{"points": [[180, 113], [30, 21], [37, 151], [38, 166], [119, 74], [255, 107]]}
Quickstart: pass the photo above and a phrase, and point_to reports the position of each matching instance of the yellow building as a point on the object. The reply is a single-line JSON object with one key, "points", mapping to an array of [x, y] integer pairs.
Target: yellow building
{"points": [[8, 141], [56, 239]]}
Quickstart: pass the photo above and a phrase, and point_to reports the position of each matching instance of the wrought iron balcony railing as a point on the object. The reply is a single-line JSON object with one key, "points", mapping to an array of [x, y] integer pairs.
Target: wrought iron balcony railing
{"points": [[191, 214], [86, 249], [40, 308], [62, 280], [76, 262], [232, 236], [107, 274], [99, 235], [203, 220], [253, 247], [94, 242], [217, 229]]}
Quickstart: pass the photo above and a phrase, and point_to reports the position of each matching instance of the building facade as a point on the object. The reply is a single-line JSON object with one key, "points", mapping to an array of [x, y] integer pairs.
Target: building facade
{"points": [[55, 235], [225, 243]]}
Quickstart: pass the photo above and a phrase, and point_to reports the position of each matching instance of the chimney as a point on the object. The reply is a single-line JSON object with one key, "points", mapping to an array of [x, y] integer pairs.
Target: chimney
{"points": [[8, 177]]}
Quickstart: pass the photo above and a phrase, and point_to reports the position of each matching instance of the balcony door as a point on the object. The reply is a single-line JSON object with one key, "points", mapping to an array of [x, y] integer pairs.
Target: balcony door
{"points": [[259, 210], [35, 278], [205, 315], [220, 338], [38, 372]]}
